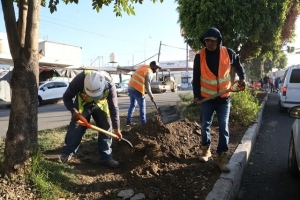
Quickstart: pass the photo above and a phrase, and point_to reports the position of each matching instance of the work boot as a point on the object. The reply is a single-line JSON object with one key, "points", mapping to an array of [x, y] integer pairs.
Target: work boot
{"points": [[112, 163], [222, 162], [64, 158], [206, 154], [131, 124]]}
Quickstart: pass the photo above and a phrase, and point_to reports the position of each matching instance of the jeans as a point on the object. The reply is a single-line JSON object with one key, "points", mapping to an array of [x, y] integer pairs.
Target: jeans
{"points": [[207, 113], [75, 133], [136, 97]]}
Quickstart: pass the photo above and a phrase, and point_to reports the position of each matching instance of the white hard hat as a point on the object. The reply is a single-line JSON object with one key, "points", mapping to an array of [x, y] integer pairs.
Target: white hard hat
{"points": [[94, 84]]}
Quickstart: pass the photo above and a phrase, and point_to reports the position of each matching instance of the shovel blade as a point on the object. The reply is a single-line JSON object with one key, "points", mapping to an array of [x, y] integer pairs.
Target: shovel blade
{"points": [[170, 114]]}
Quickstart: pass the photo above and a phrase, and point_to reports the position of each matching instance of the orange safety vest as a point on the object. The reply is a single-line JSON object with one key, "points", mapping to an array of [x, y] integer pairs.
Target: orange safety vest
{"points": [[210, 84], [137, 80]]}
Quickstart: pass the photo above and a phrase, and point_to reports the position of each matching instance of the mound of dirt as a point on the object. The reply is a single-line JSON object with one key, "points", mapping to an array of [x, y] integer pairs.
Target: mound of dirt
{"points": [[163, 163], [157, 145]]}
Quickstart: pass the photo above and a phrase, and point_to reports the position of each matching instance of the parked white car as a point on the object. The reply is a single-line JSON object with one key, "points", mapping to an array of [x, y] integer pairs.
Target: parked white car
{"points": [[294, 150], [51, 91], [289, 89], [122, 89]]}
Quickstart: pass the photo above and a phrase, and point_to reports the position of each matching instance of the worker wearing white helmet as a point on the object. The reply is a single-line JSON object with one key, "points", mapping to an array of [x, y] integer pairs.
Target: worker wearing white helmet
{"points": [[95, 96]]}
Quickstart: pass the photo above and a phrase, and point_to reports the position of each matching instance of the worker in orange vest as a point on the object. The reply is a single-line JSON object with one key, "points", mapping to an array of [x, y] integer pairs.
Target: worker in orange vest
{"points": [[211, 75], [137, 86]]}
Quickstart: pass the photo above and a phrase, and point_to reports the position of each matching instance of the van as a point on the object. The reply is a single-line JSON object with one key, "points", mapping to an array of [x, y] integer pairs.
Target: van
{"points": [[289, 89]]}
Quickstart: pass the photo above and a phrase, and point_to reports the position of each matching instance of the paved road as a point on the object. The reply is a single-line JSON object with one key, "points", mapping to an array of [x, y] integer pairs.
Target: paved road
{"points": [[56, 115], [266, 177]]}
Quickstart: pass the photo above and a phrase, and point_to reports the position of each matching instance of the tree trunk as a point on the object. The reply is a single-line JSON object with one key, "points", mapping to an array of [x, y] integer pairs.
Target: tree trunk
{"points": [[21, 136]]}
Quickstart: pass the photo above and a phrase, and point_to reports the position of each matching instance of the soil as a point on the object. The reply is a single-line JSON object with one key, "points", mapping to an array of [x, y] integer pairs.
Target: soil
{"points": [[163, 163]]}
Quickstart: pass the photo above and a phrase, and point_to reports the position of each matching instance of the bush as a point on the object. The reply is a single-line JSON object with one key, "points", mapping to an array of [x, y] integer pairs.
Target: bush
{"points": [[191, 113], [186, 97], [244, 107]]}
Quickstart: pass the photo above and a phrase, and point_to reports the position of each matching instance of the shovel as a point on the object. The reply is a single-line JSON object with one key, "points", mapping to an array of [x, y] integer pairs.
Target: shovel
{"points": [[172, 113], [83, 122]]}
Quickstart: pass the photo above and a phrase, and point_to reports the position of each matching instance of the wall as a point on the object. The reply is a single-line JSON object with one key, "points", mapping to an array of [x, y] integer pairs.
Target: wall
{"points": [[5, 93], [60, 53], [177, 67]]}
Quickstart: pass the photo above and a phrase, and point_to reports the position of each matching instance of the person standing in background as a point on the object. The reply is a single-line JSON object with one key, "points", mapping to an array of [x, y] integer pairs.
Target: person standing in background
{"points": [[140, 83], [271, 84]]}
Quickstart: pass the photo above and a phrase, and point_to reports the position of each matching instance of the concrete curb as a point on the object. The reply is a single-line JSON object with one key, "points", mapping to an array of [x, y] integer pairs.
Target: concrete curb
{"points": [[228, 185]]}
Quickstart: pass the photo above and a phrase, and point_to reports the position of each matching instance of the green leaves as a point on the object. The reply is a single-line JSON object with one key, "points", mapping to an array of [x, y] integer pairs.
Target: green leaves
{"points": [[120, 6], [52, 5], [244, 107], [256, 28]]}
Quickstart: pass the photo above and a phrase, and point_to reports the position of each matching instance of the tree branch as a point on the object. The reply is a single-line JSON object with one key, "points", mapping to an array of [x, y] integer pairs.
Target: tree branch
{"points": [[11, 27]]}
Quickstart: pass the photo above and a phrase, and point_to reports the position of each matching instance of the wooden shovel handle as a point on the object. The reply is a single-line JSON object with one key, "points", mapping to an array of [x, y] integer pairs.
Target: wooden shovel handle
{"points": [[83, 122], [233, 88]]}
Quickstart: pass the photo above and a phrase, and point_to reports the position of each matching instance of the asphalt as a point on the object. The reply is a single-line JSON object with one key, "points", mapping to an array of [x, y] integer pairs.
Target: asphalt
{"points": [[228, 184]]}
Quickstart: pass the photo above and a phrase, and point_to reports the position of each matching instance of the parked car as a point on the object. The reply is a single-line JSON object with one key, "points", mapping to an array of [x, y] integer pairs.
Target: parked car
{"points": [[51, 91], [122, 89], [294, 149], [289, 89]]}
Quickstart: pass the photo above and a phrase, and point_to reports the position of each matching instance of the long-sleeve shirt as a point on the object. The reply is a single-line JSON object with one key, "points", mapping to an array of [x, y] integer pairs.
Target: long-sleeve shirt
{"points": [[76, 86], [148, 79], [212, 60]]}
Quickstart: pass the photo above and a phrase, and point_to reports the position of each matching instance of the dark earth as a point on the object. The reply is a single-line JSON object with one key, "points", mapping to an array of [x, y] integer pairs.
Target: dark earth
{"points": [[163, 163]]}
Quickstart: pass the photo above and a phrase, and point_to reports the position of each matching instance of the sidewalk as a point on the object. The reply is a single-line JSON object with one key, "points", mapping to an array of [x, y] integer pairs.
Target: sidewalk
{"points": [[228, 185]]}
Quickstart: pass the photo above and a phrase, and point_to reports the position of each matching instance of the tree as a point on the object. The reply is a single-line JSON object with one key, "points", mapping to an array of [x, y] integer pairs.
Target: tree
{"points": [[22, 34], [257, 28]]}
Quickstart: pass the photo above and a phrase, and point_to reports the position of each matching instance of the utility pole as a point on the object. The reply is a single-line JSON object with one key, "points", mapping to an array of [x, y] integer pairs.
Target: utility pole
{"points": [[187, 55], [158, 59], [159, 51], [132, 60]]}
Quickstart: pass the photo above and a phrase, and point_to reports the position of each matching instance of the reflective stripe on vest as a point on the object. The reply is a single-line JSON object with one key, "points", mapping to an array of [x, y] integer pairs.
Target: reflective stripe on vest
{"points": [[83, 99], [210, 84], [137, 80]]}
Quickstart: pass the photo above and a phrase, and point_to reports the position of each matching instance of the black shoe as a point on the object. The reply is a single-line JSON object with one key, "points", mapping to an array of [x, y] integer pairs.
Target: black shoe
{"points": [[64, 158], [112, 163]]}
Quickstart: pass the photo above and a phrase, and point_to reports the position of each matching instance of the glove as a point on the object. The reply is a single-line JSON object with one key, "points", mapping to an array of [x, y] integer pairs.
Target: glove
{"points": [[152, 99]]}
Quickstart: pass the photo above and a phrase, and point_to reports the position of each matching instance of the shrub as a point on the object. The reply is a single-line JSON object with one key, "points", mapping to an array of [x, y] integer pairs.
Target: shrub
{"points": [[186, 97], [191, 113], [244, 107]]}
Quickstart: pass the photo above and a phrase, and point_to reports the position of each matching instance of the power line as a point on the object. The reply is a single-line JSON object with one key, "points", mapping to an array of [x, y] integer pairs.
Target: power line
{"points": [[173, 47], [146, 60], [106, 36]]}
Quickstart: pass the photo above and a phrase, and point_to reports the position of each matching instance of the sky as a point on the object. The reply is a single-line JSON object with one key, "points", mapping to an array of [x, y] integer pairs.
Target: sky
{"points": [[295, 58], [130, 38]]}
